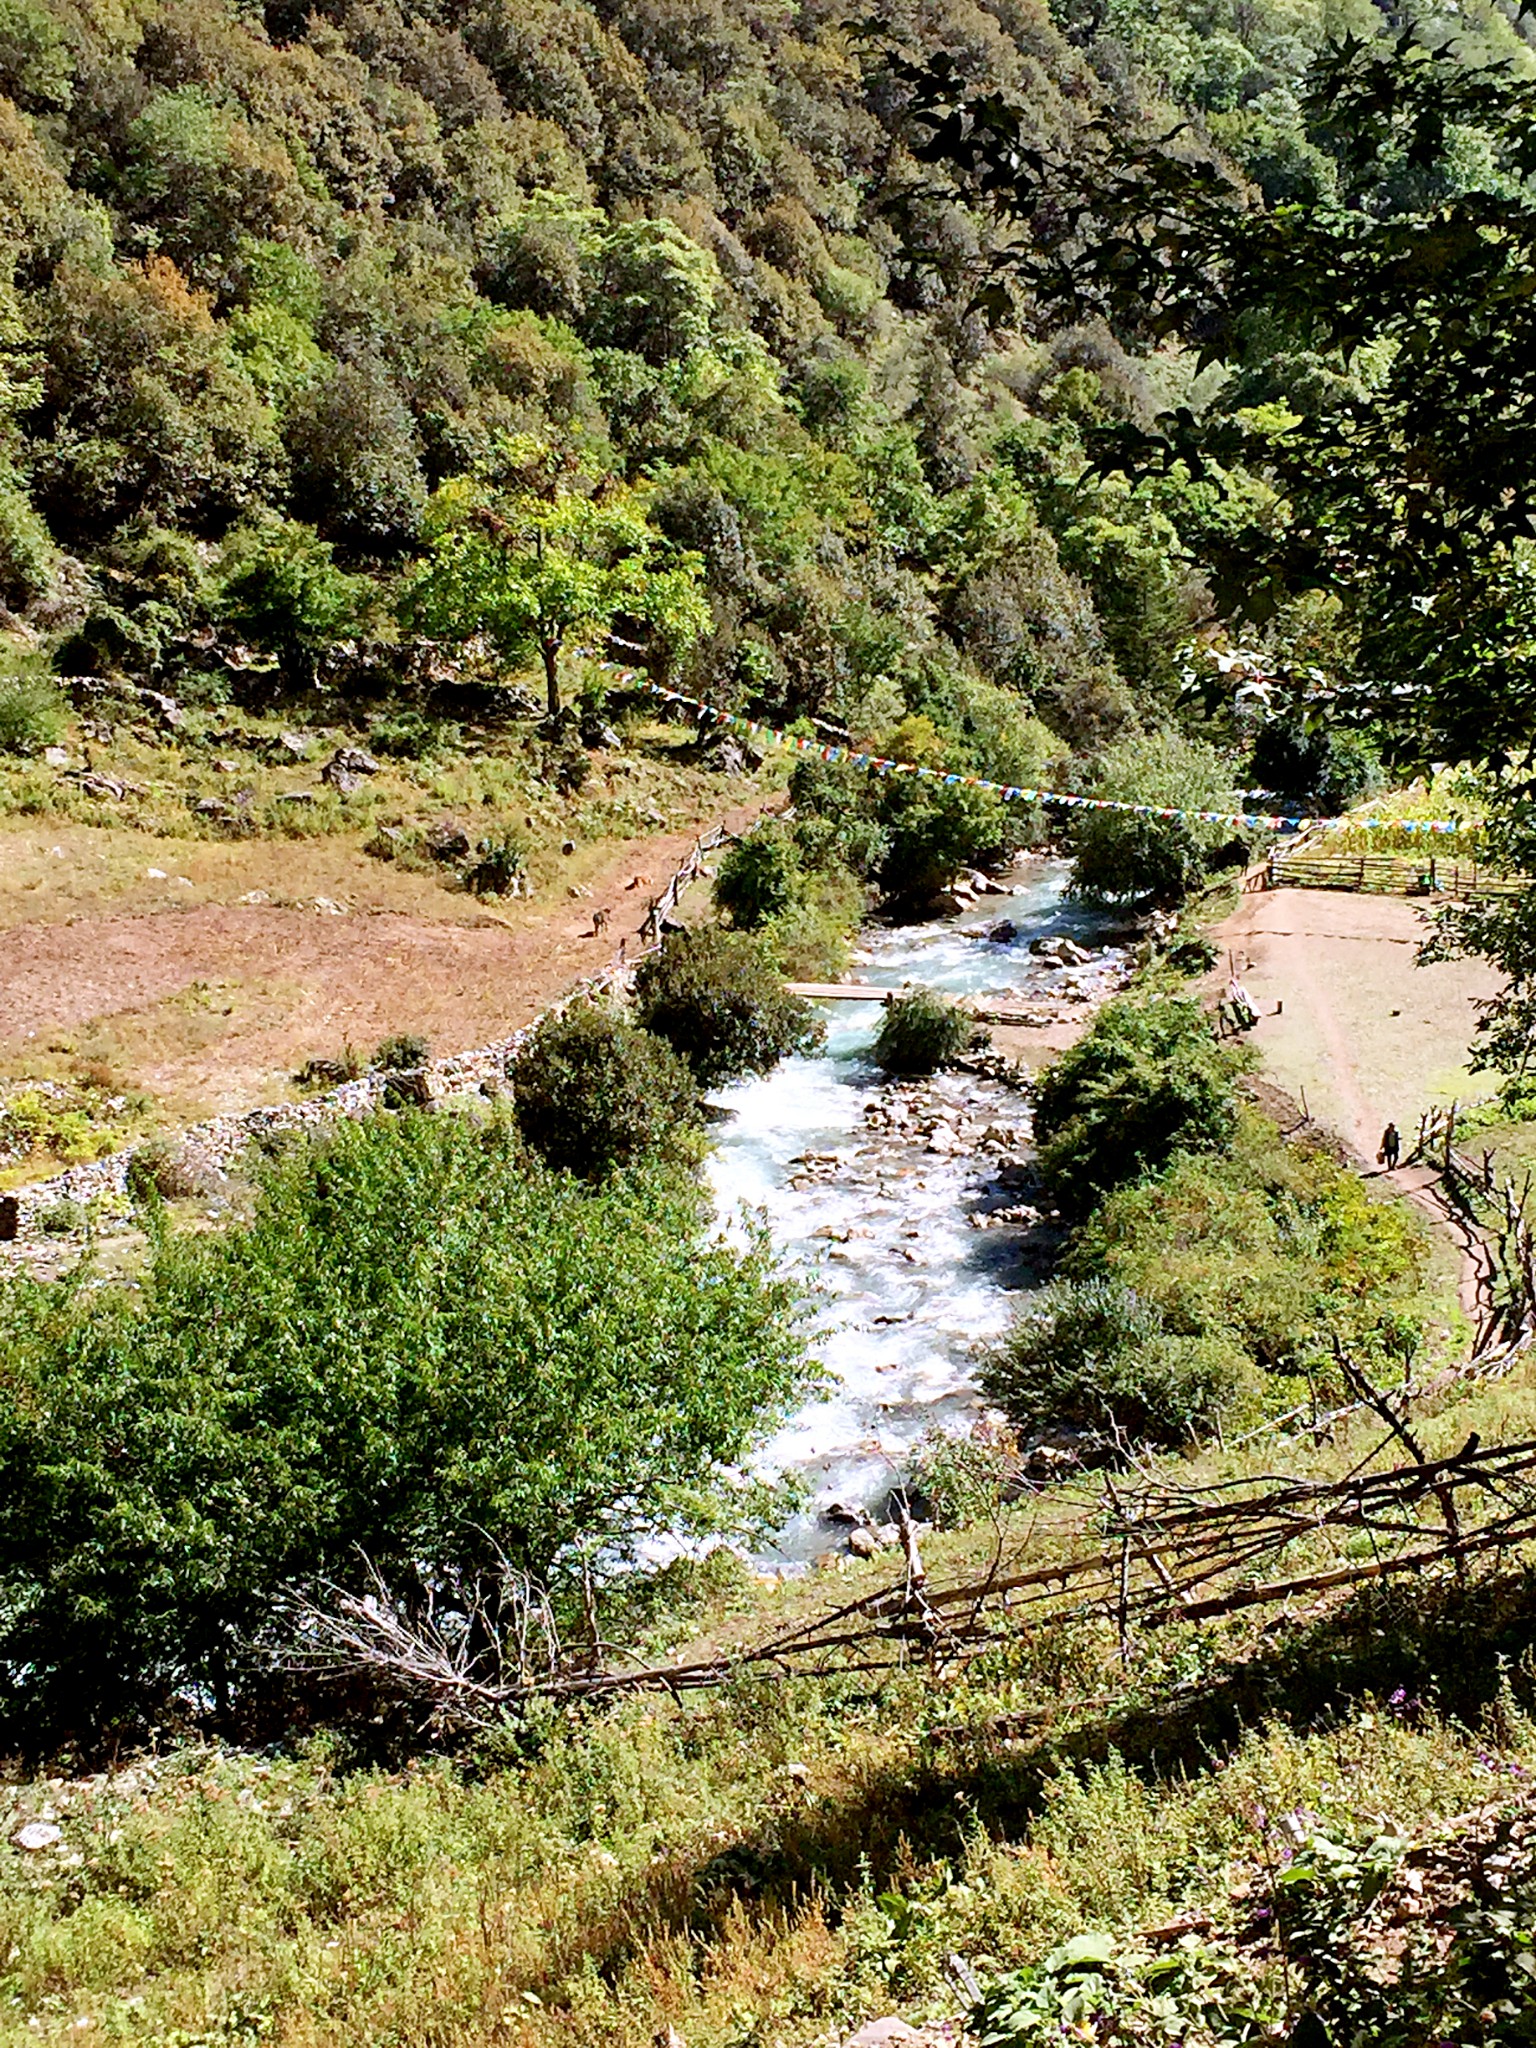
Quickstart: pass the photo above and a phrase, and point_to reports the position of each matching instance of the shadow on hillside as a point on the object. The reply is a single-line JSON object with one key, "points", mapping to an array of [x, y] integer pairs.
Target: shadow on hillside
{"points": [[1446, 1648]]}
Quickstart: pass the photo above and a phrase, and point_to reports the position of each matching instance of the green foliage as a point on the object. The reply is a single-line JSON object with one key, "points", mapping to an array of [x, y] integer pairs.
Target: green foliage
{"points": [[1148, 1080], [1118, 857], [412, 736], [1280, 1250], [532, 572], [1472, 1984], [401, 1051], [933, 830], [1194, 1992], [281, 587], [759, 877], [503, 861], [1317, 765], [422, 1347], [920, 1032], [31, 712], [1096, 1356], [718, 999], [594, 1093]]}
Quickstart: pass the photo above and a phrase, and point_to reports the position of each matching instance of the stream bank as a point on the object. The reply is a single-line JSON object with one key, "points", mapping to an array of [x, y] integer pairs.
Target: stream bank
{"points": [[910, 1208]]}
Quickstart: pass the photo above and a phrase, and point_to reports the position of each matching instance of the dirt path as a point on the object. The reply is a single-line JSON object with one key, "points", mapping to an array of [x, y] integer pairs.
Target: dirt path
{"points": [[1359, 1034], [211, 1007], [1364, 1033]]}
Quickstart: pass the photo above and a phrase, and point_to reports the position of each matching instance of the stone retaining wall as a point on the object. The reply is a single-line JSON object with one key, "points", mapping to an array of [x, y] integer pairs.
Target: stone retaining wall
{"points": [[101, 1186]]}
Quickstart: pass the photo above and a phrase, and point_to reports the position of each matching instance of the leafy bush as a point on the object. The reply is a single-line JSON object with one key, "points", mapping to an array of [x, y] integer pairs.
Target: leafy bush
{"points": [[31, 713], [422, 1348], [412, 736], [1118, 857], [1280, 1249], [1148, 1080], [62, 1218], [1097, 1356], [1318, 766], [595, 1092], [405, 1049], [921, 1031], [718, 999], [758, 878], [167, 1170], [503, 861], [933, 830]]}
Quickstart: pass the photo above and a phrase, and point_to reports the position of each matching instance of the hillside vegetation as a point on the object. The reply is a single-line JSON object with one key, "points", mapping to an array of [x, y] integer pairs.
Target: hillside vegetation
{"points": [[376, 378]]}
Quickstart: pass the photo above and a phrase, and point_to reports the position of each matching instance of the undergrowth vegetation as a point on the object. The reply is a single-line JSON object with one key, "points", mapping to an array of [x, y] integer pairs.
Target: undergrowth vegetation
{"points": [[423, 1356], [1215, 1271]]}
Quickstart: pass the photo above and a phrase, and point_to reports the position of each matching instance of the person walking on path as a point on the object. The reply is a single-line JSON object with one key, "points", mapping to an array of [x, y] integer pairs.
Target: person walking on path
{"points": [[1391, 1147]]}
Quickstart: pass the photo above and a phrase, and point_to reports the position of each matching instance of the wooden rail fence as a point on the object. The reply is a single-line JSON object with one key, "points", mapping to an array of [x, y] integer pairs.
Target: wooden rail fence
{"points": [[1385, 874]]}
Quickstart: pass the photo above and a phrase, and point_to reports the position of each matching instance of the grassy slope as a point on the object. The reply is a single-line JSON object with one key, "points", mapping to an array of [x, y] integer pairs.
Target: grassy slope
{"points": [[728, 1865], [128, 1058]]}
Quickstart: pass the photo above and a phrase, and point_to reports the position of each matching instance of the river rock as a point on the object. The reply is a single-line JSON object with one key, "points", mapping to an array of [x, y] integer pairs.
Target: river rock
{"points": [[1003, 933], [37, 1834], [887, 2033], [863, 1543]]}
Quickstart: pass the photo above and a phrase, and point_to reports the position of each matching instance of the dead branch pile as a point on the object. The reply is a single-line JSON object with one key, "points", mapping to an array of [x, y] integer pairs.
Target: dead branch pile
{"points": [[1161, 1553]]}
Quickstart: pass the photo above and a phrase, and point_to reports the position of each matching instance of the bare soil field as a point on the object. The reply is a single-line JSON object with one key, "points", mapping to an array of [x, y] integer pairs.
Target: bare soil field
{"points": [[1347, 1018], [210, 1004]]}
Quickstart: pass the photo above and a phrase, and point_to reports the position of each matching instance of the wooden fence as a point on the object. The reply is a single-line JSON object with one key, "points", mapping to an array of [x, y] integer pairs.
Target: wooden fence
{"points": [[1385, 874]]}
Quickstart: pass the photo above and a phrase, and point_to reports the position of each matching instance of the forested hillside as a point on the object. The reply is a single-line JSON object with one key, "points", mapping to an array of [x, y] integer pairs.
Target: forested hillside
{"points": [[274, 278]]}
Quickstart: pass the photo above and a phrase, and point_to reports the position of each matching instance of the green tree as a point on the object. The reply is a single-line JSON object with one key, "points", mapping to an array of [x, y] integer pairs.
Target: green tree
{"points": [[1124, 857], [594, 1092], [759, 877], [932, 829], [532, 572], [656, 291], [280, 586], [718, 999], [422, 1348], [1150, 1079]]}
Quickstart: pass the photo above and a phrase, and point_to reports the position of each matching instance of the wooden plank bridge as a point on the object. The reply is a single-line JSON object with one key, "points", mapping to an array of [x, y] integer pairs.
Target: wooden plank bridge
{"points": [[1043, 1010]]}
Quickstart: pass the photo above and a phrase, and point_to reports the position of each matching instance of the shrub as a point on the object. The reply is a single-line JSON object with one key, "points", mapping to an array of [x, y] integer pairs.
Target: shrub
{"points": [[168, 1170], [410, 736], [1148, 1080], [422, 1348], [1119, 857], [922, 1031], [405, 1049], [31, 713], [933, 830], [594, 1092], [502, 862], [1096, 1356], [1281, 1250], [62, 1218], [718, 999], [759, 878]]}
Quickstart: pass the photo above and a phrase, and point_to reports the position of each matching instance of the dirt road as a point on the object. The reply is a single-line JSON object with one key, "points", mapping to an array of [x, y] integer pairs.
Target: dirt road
{"points": [[211, 1007], [1367, 1034], [1352, 1027]]}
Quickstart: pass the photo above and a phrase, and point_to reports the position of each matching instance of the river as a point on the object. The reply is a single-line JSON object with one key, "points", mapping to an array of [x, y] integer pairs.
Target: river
{"points": [[908, 1208]]}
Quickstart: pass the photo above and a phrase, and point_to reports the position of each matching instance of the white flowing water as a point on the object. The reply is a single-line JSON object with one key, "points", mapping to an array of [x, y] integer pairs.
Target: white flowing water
{"points": [[915, 1251]]}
